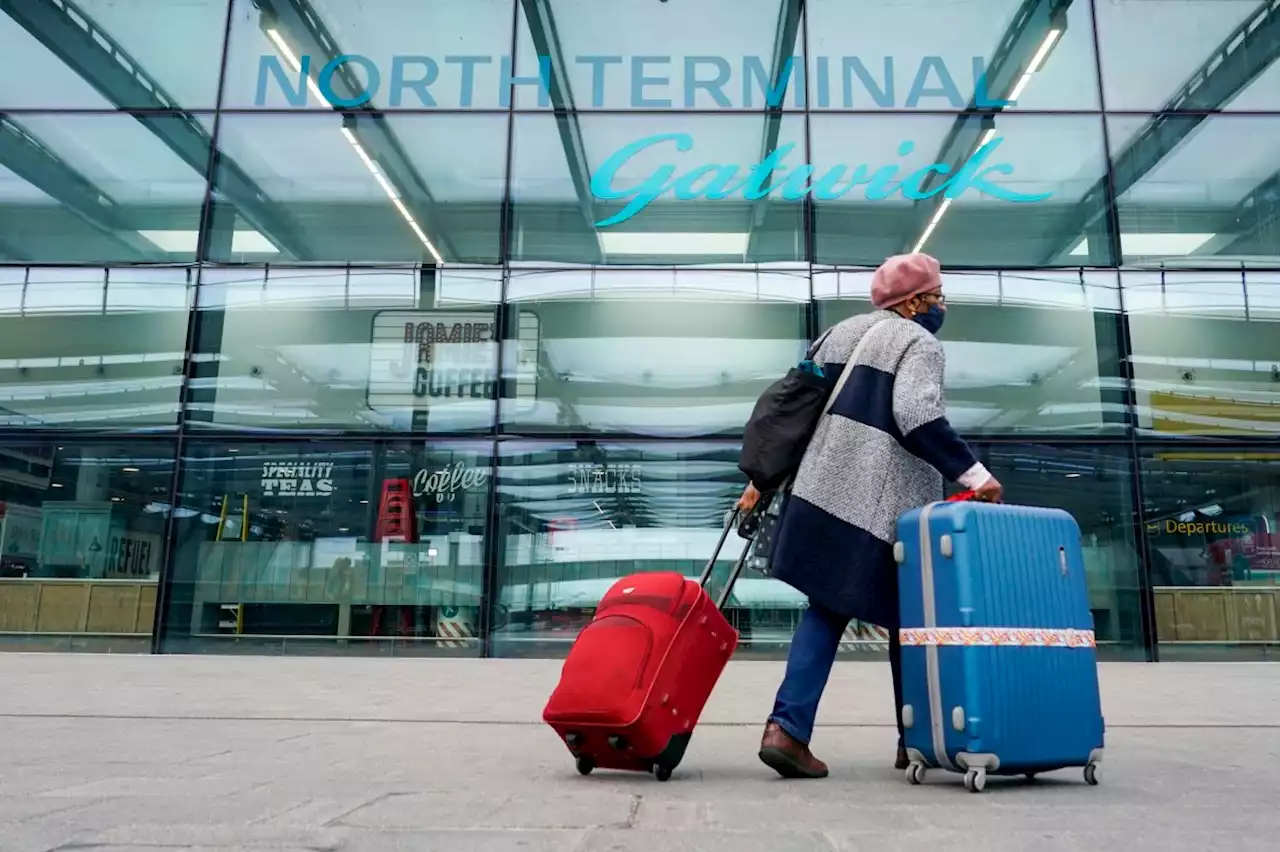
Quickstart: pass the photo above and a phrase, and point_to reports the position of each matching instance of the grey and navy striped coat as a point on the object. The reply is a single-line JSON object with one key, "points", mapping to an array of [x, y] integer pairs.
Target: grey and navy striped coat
{"points": [[883, 448]]}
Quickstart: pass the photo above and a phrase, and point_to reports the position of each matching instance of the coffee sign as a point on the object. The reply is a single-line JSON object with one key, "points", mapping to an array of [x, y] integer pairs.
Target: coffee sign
{"points": [[444, 485]]}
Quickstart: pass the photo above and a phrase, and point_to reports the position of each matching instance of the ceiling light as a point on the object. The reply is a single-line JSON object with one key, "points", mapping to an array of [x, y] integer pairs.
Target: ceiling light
{"points": [[639, 242], [57, 485], [1050, 39], [390, 191], [933, 223], [1164, 245], [1073, 476], [129, 469], [1211, 511], [186, 242], [292, 59]]}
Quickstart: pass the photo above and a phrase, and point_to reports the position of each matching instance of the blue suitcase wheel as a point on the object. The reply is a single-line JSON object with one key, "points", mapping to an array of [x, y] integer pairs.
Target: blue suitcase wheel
{"points": [[975, 780], [1091, 774], [915, 773]]}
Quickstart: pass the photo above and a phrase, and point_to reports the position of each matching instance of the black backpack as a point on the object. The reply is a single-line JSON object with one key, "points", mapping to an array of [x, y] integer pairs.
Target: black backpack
{"points": [[785, 417]]}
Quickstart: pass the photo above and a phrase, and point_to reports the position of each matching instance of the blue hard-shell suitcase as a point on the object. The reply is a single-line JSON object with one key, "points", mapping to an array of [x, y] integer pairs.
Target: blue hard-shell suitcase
{"points": [[999, 664]]}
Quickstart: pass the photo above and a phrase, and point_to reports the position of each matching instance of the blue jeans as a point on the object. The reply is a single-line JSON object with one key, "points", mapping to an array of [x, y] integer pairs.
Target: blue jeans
{"points": [[813, 650]]}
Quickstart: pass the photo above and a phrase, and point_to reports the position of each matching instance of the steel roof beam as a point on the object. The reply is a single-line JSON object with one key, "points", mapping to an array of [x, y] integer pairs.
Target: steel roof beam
{"points": [[1239, 60], [83, 46], [787, 31], [30, 159], [546, 41], [1024, 38], [1254, 213], [306, 34]]}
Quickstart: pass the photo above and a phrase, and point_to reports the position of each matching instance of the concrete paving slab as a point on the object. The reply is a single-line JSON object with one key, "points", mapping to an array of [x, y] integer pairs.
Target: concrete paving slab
{"points": [[274, 768]]}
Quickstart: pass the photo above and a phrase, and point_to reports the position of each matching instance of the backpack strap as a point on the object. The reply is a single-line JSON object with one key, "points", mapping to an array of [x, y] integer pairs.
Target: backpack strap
{"points": [[851, 363]]}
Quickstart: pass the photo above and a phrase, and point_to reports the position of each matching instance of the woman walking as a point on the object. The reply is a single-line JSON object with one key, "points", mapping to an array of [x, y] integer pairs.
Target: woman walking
{"points": [[884, 447]]}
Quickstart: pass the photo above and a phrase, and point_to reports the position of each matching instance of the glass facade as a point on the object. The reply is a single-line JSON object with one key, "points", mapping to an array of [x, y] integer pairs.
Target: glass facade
{"points": [[404, 328]]}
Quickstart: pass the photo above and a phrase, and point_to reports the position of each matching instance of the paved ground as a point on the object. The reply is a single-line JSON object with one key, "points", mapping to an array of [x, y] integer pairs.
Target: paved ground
{"points": [[113, 753]]}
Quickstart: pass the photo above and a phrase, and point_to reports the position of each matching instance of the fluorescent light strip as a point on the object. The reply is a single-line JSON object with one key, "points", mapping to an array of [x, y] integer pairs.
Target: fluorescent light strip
{"points": [[937, 217], [686, 244], [1045, 46], [390, 190], [293, 60], [946, 203]]}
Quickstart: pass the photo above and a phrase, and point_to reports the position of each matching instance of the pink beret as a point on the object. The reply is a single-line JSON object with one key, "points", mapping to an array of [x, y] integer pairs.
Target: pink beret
{"points": [[903, 276]]}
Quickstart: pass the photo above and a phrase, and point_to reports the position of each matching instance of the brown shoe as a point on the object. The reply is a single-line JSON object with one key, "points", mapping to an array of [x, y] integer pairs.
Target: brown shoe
{"points": [[787, 756], [903, 761]]}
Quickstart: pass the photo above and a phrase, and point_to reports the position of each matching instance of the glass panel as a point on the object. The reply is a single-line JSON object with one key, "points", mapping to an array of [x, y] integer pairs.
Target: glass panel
{"points": [[104, 54], [100, 188], [1016, 194], [885, 54], [335, 548], [385, 189], [1213, 200], [648, 192], [81, 544], [1030, 352], [338, 349], [92, 347], [1200, 366], [1213, 526], [577, 516], [1093, 484], [402, 54], [1145, 67], [637, 54], [648, 352]]}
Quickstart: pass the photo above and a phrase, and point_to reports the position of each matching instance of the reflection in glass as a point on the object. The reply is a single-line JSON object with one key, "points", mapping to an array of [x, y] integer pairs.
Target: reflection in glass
{"points": [[1213, 523], [386, 189], [647, 352], [1209, 202], [1029, 352], [634, 197], [99, 188], [348, 349], [81, 543], [104, 54], [446, 54], [869, 55], [346, 547], [1203, 363], [1014, 192], [1146, 67], [577, 516], [92, 347], [637, 54]]}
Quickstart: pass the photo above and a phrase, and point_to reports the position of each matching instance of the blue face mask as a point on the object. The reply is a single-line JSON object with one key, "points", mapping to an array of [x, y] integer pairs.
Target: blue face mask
{"points": [[932, 319]]}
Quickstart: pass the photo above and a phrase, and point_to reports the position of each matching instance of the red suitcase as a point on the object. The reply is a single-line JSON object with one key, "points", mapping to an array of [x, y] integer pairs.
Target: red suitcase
{"points": [[638, 676]]}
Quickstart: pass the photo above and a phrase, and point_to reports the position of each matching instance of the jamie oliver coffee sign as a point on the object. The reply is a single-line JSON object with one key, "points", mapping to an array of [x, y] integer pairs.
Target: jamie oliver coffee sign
{"points": [[428, 359]]}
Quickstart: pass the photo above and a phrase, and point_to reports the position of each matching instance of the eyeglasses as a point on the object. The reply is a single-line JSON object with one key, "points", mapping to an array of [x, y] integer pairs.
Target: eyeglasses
{"points": [[936, 297]]}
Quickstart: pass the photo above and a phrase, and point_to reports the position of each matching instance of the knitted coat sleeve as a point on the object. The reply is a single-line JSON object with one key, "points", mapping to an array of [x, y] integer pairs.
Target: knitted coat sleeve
{"points": [[920, 412]]}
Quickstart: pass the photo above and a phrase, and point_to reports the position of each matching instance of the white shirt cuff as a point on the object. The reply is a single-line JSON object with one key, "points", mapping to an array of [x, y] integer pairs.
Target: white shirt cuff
{"points": [[974, 477]]}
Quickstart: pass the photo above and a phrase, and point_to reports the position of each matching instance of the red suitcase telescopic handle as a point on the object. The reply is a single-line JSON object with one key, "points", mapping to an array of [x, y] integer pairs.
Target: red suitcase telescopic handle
{"points": [[729, 520]]}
